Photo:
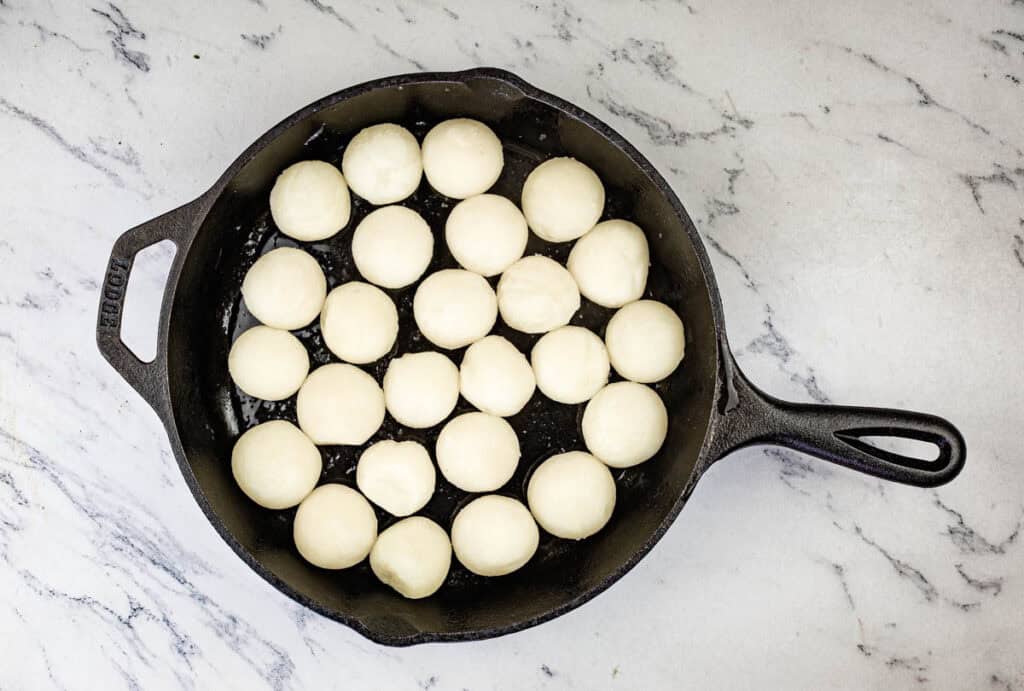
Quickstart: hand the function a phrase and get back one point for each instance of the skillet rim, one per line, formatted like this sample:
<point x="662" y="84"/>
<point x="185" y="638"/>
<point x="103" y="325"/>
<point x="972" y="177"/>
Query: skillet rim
<point x="200" y="209"/>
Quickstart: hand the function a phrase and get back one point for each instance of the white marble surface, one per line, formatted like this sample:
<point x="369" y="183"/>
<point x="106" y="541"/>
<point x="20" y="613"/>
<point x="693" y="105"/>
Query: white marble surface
<point x="857" y="173"/>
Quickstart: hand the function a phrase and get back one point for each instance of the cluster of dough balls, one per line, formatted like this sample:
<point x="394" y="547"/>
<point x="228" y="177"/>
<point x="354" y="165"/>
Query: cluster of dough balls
<point x="570" y="495"/>
<point x="277" y="464"/>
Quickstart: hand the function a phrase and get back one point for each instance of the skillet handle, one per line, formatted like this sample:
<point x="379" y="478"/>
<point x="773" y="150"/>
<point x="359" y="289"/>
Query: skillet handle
<point x="749" y="416"/>
<point x="147" y="378"/>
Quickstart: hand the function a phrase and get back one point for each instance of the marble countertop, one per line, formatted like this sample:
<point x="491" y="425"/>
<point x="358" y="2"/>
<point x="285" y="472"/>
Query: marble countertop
<point x="857" y="173"/>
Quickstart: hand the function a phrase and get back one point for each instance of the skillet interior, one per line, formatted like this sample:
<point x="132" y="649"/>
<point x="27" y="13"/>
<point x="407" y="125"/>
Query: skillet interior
<point x="207" y="314"/>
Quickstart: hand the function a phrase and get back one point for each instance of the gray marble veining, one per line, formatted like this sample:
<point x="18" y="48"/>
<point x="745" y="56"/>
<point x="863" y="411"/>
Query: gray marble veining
<point x="857" y="172"/>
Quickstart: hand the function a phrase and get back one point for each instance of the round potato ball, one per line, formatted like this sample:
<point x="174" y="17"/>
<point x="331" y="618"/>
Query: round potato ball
<point x="572" y="495"/>
<point x="537" y="294"/>
<point x="486" y="234"/>
<point x="570" y="363"/>
<point x="285" y="288"/>
<point x="624" y="424"/>
<point x="412" y="556"/>
<point x="392" y="247"/>
<point x="610" y="263"/>
<point x="310" y="201"/>
<point x="494" y="535"/>
<point x="268" y="363"/>
<point x="645" y="341"/>
<point x="335" y="527"/>
<point x="477" y="452"/>
<point x="421" y="389"/>
<point x="453" y="308"/>
<point x="382" y="164"/>
<point x="495" y="377"/>
<point x="359" y="322"/>
<point x="397" y="476"/>
<point x="562" y="199"/>
<point x="462" y="157"/>
<point x="275" y="464"/>
<point x="340" y="404"/>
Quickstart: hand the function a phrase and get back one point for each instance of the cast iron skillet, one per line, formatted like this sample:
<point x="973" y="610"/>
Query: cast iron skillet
<point x="713" y="408"/>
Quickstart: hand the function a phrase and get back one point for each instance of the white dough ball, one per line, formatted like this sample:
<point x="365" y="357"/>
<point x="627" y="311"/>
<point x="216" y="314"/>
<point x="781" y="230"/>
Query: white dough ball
<point x="335" y="527"/>
<point x="421" y="389"/>
<point x="495" y="377"/>
<point x="397" y="476"/>
<point x="285" y="288"/>
<point x="572" y="495"/>
<point x="570" y="363"/>
<point x="392" y="246"/>
<point x="462" y="157"/>
<point x="477" y="452"/>
<point x="494" y="535"/>
<point x="453" y="308"/>
<point x="268" y="363"/>
<point x="275" y="464"/>
<point x="610" y="263"/>
<point x="310" y="201"/>
<point x="412" y="556"/>
<point x="486" y="233"/>
<point x="382" y="164"/>
<point x="624" y="424"/>
<point x="537" y="294"/>
<point x="562" y="199"/>
<point x="359" y="322"/>
<point x="340" y="404"/>
<point x="645" y="341"/>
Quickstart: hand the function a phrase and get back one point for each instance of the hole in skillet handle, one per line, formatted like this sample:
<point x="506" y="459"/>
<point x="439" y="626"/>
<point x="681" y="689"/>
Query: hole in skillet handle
<point x="925" y="450"/>
<point x="853" y="437"/>
<point x="141" y="317"/>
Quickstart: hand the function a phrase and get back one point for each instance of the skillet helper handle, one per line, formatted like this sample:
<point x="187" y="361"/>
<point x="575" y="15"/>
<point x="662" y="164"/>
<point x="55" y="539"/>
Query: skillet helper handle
<point x="835" y="433"/>
<point x="146" y="378"/>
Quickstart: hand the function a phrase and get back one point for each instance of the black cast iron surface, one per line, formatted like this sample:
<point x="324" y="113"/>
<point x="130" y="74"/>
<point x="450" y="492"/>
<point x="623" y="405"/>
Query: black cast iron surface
<point x="713" y="409"/>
